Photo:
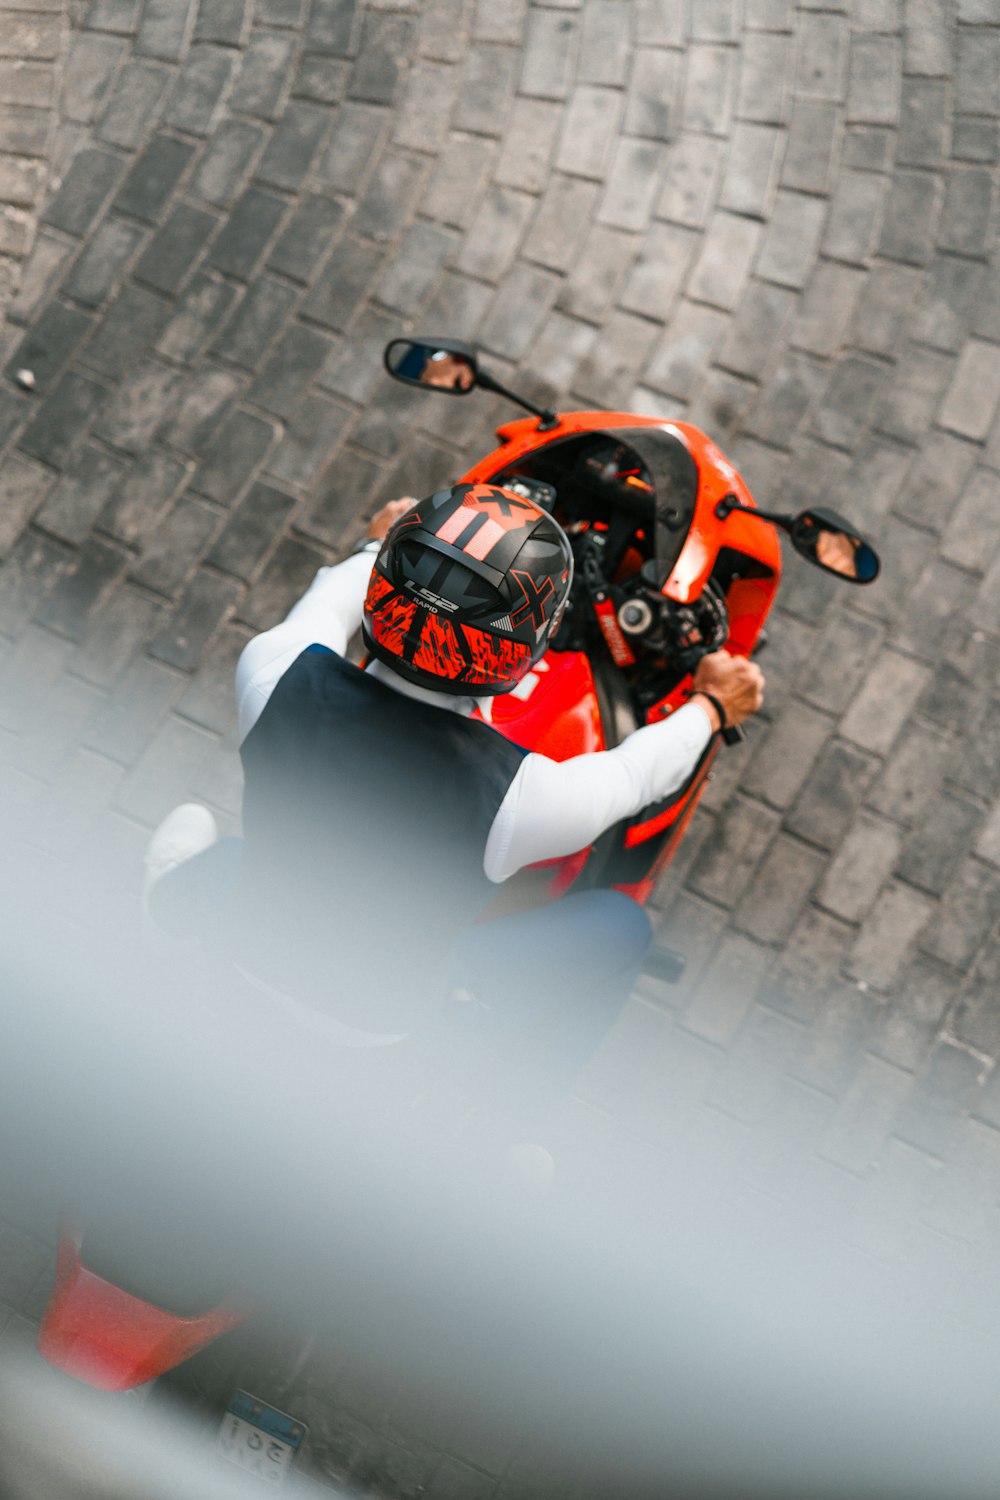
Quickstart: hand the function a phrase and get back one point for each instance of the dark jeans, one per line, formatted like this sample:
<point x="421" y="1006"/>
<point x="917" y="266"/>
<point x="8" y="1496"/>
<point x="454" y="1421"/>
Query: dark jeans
<point x="533" y="994"/>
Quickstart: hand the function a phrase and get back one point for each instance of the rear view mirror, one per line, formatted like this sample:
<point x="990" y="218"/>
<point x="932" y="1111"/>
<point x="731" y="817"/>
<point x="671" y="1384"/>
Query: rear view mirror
<point x="827" y="540"/>
<point x="442" y="364"/>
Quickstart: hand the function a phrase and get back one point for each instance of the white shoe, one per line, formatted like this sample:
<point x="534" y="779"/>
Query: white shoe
<point x="183" y="833"/>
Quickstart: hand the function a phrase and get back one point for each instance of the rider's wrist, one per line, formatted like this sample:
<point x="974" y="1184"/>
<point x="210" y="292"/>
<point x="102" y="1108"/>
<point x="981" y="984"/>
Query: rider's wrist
<point x="713" y="707"/>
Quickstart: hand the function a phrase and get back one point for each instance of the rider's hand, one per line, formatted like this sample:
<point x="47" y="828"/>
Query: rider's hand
<point x="384" y="519"/>
<point x="737" y="683"/>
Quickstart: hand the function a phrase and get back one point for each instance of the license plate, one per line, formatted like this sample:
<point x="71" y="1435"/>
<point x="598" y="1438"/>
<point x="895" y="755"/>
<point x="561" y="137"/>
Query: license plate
<point x="259" y="1438"/>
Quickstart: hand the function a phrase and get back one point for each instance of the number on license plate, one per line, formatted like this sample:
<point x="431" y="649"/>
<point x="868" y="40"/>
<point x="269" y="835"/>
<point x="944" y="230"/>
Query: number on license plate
<point x="259" y="1438"/>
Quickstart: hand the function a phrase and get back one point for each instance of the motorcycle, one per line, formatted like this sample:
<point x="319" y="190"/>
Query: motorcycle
<point x="673" y="560"/>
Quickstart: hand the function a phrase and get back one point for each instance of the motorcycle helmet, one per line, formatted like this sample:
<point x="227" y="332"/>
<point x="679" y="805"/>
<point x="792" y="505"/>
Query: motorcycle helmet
<point x="467" y="589"/>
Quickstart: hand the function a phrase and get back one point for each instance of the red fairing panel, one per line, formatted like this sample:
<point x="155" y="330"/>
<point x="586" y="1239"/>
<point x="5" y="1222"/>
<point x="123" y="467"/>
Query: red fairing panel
<point x="554" y="710"/>
<point x="99" y="1334"/>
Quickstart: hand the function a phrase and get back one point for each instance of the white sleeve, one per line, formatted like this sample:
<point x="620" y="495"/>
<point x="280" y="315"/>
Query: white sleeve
<point x="328" y="614"/>
<point x="556" y="807"/>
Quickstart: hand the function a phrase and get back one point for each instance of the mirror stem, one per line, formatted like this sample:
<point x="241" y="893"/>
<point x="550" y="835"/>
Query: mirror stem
<point x="547" y="417"/>
<point x="729" y="503"/>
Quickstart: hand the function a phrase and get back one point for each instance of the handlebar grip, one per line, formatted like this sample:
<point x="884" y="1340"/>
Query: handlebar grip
<point x="734" y="735"/>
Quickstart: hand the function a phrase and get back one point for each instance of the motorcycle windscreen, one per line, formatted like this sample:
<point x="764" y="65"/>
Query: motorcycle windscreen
<point x="106" y="1337"/>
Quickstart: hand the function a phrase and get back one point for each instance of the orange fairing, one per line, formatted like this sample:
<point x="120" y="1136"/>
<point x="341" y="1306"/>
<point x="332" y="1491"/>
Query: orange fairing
<point x="112" y="1340"/>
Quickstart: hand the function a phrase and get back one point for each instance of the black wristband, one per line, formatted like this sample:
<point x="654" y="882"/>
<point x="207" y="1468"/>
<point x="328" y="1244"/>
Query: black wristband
<point x="723" y="721"/>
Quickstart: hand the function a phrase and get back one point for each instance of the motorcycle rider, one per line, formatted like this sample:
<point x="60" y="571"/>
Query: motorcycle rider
<point x="380" y="819"/>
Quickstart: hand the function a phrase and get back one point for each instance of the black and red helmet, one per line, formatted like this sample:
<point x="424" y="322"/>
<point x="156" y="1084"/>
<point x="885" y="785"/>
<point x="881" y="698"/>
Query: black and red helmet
<point x="467" y="589"/>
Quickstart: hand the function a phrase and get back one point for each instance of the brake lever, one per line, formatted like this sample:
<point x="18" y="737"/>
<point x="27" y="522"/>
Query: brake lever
<point x="734" y="734"/>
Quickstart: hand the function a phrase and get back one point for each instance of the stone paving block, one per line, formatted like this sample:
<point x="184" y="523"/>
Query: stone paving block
<point x="548" y="56"/>
<point x="870" y="487"/>
<point x="792" y="240"/>
<point x="153" y="178"/>
<point x="912" y="400"/>
<point x="97" y="568"/>
<point x="826" y="307"/>
<point x="907" y="1027"/>
<point x="974" y="765"/>
<point x="290" y="571"/>
<point x="973" y="534"/>
<point x="884" y="308"/>
<point x="791" y="393"/>
<point x="499" y="21"/>
<point x="77" y="499"/>
<point x="208" y="699"/>
<point x="977" y="69"/>
<point x="517" y="309"/>
<point x="310" y="232"/>
<point x="614" y="360"/>
<point x="226" y="163"/>
<point x="727" y="255"/>
<point x="488" y="249"/>
<point x="22" y="179"/>
<point x="47" y="257"/>
<point x="292" y="148"/>
<point x="204" y="604"/>
<point x="865" y="1116"/>
<point x="781" y="884"/>
<point x="973" y="395"/>
<point x="923" y="122"/>
<point x="927" y="39"/>
<point x="605" y="43"/>
<point x="830" y="798"/>
<point x="874" y="79"/>
<point x="392" y="193"/>
<point x="912" y="774"/>
<point x="786" y="752"/>
<point x="313" y="432"/>
<point x="92" y="278"/>
<point x="249" y="533"/>
<point x="290" y="370"/>
<point x="726" y="991"/>
<point x="336" y="294"/>
<point x="695" y="335"/>
<point x="710" y="80"/>
<point x="950" y="303"/>
<point x="763" y="315"/>
<point x="947" y="1090"/>
<point x="91" y="60"/>
<point x="86" y="188"/>
<point x="199" y="94"/>
<point x="176" y="248"/>
<point x="922" y="626"/>
<point x="966" y="916"/>
<point x="732" y="851"/>
<point x="380" y="63"/>
<point x="237" y="447"/>
<point x="763" y="78"/>
<point x="189" y="424"/>
<point x="321" y="78"/>
<point x="890" y="692"/>
<point x="140" y="700"/>
<point x="911" y="217"/>
<point x="458" y="304"/>
<point x="832" y="1045"/>
<point x="593" y="285"/>
<point x="566" y="201"/>
<point x="246" y="233"/>
<point x="145" y="491"/>
<point x="421" y="120"/>
<point x="265" y="72"/>
<point x="974" y="1019"/>
<point x="747" y="1085"/>
<point x="255" y="325"/>
<point x="222" y="21"/>
<point x="174" y="547"/>
<point x="633" y="180"/>
<point x="855" y="385"/>
<point x="807" y="967"/>
<point x="975" y="139"/>
<point x="654" y="94"/>
<point x="855" y="216"/>
<point x="528" y="145"/>
<point x="134" y="104"/>
<point x="484" y="93"/>
<point x="62" y="418"/>
<point x="115" y="636"/>
<point x="333" y="27"/>
<point x="821" y="57"/>
<point x="202" y="310"/>
<point x="23" y="488"/>
<point x="459" y="178"/>
<point x="869" y="148"/>
<point x="660" y="272"/>
<point x="691" y="170"/>
<point x="861" y="867"/>
<point x="163" y="775"/>
<point x="50" y="344"/>
<point x="754" y="159"/>
<point x="130" y="418"/>
<point x="591" y="123"/>
<point x="382" y="426"/>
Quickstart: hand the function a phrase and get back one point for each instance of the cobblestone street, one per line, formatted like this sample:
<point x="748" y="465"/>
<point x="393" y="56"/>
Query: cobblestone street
<point x="777" y="221"/>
